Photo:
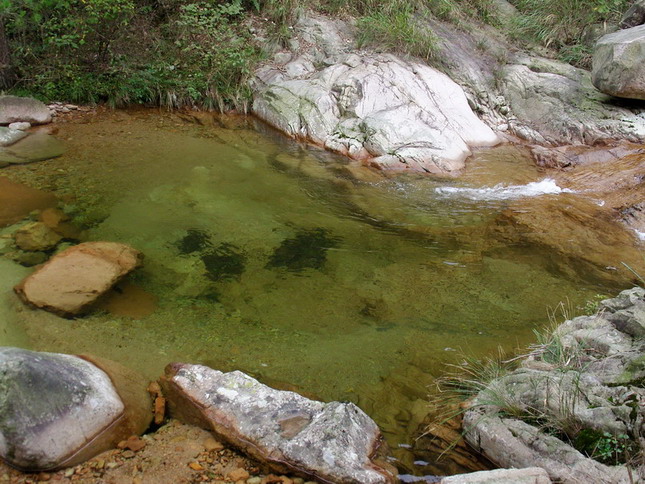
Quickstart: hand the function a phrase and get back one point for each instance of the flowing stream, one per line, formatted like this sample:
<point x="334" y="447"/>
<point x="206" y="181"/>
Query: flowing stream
<point x="294" y="265"/>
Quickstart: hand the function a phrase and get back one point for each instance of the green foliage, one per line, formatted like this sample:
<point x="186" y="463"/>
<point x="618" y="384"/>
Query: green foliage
<point x="606" y="448"/>
<point x="395" y="27"/>
<point x="561" y="24"/>
<point x="167" y="52"/>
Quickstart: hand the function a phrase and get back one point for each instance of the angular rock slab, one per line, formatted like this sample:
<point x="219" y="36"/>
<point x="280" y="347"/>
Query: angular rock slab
<point x="15" y="109"/>
<point x="58" y="410"/>
<point x="74" y="279"/>
<point x="634" y="16"/>
<point x="330" y="442"/>
<point x="619" y="63"/>
<point x="400" y="115"/>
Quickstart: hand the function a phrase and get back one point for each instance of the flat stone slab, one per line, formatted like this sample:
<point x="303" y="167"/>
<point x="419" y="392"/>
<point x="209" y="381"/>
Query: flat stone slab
<point x="15" y="109"/>
<point x="330" y="442"/>
<point x="35" y="147"/>
<point x="75" y="278"/>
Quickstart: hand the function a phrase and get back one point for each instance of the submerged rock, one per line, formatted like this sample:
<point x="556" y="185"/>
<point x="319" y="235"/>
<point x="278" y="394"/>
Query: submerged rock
<point x="330" y="442"/>
<point x="585" y="383"/>
<point x="58" y="410"/>
<point x="17" y="201"/>
<point x="16" y="109"/>
<point x="619" y="63"/>
<point x="35" y="147"/>
<point x="74" y="279"/>
<point x="36" y="236"/>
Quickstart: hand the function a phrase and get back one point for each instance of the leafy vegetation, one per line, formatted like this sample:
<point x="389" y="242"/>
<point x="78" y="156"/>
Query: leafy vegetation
<point x="167" y="52"/>
<point x="201" y="53"/>
<point x="563" y="24"/>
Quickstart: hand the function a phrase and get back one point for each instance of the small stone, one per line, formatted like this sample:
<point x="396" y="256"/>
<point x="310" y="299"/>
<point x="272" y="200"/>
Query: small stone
<point x="196" y="466"/>
<point x="210" y="444"/>
<point x="20" y="126"/>
<point x="112" y="465"/>
<point x="254" y="480"/>
<point x="134" y="443"/>
<point x="137" y="480"/>
<point x="69" y="472"/>
<point x="238" y="474"/>
<point x="44" y="476"/>
<point x="27" y="259"/>
<point x="127" y="454"/>
<point x="36" y="236"/>
<point x="298" y="480"/>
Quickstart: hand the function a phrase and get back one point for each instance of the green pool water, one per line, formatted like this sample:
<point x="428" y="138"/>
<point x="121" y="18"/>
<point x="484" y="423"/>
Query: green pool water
<point x="295" y="265"/>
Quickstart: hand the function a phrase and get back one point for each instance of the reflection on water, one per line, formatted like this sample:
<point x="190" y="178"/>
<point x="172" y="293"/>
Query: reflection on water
<point x="293" y="265"/>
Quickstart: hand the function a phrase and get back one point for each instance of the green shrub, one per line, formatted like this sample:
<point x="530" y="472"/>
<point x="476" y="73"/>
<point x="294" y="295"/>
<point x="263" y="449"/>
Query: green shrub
<point x="167" y="52"/>
<point x="561" y="24"/>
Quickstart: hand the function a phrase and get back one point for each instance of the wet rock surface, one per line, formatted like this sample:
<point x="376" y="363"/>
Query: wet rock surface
<point x="16" y="109"/>
<point x="36" y="236"/>
<point x="587" y="381"/>
<point x="619" y="63"/>
<point x="59" y="410"/>
<point x="35" y="147"/>
<point x="333" y="442"/>
<point x="75" y="278"/>
<point x="400" y="115"/>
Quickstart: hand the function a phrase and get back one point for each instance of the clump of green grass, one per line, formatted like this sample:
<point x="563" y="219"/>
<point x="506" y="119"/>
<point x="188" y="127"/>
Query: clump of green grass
<point x="561" y="24"/>
<point x="397" y="29"/>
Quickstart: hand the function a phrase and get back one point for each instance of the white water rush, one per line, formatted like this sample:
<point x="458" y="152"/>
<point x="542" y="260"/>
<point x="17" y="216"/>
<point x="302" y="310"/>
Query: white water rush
<point x="506" y="192"/>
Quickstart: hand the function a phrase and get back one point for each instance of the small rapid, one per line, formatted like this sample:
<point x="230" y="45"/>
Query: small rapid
<point x="546" y="186"/>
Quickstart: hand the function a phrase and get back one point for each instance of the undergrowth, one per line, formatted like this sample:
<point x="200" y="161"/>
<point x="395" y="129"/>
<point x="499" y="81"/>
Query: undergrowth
<point x="563" y="24"/>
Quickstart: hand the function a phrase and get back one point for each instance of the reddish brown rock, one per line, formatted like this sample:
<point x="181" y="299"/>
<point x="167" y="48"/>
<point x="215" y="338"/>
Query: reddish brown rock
<point x="74" y="279"/>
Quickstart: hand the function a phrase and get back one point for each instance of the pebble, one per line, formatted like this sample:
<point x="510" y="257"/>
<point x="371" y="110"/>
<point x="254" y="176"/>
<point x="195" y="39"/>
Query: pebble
<point x="127" y="454"/>
<point x="210" y="444"/>
<point x="254" y="480"/>
<point x="238" y="474"/>
<point x="195" y="466"/>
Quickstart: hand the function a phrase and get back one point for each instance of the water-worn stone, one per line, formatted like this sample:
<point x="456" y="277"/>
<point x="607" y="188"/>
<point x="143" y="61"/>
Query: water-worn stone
<point x="398" y="114"/>
<point x="330" y="442"/>
<point x="58" y="410"/>
<point x="530" y="475"/>
<point x="22" y="126"/>
<point x="15" y="109"/>
<point x="35" y="147"/>
<point x="619" y="63"/>
<point x="36" y="236"/>
<point x="634" y="16"/>
<point x="555" y="103"/>
<point x="75" y="278"/>
<point x="9" y="136"/>
<point x="588" y="377"/>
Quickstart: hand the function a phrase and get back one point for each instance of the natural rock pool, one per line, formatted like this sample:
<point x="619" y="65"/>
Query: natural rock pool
<point x="297" y="266"/>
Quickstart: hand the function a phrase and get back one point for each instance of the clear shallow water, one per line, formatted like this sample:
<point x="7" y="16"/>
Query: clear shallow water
<point x="295" y="266"/>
